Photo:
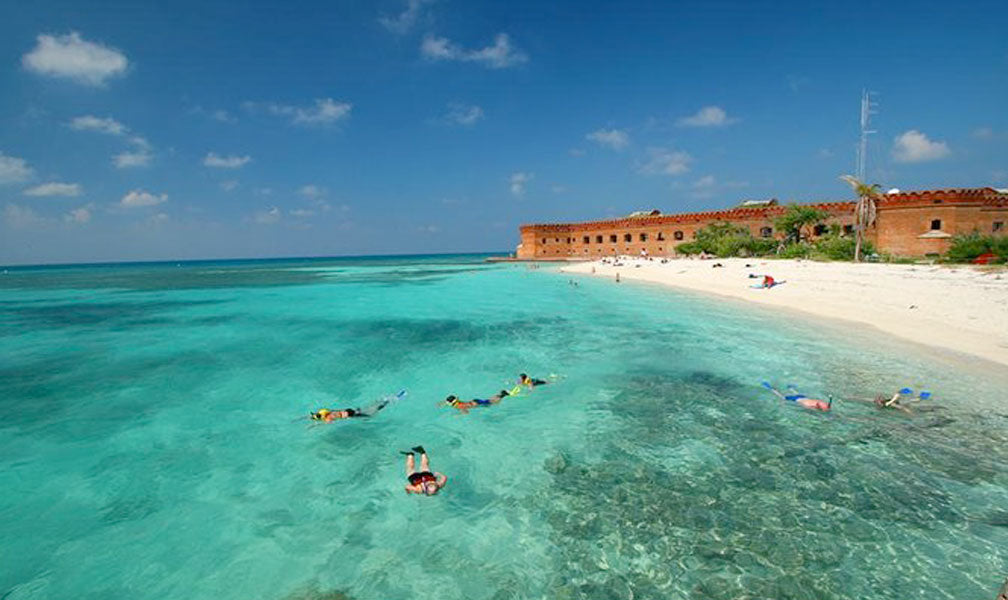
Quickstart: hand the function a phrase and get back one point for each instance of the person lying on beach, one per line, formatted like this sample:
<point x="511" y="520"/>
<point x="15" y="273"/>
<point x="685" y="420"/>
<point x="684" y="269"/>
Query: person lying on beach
<point x="424" y="481"/>
<point x="524" y="379"/>
<point x="464" y="406"/>
<point x="328" y="415"/>
<point x="801" y="399"/>
<point x="768" y="281"/>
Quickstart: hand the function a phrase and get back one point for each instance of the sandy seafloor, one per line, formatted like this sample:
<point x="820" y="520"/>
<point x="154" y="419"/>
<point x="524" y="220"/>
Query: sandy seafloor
<point x="149" y="447"/>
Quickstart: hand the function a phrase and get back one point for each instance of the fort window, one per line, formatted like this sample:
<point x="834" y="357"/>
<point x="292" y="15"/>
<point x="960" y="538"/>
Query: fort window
<point x="998" y="226"/>
<point x="643" y="237"/>
<point x="612" y="239"/>
<point x="586" y="239"/>
<point x="677" y="235"/>
<point x="766" y="232"/>
<point x="544" y="240"/>
<point x="935" y="224"/>
<point x="819" y="229"/>
<point x="661" y="237"/>
<point x="627" y="237"/>
<point x="598" y="239"/>
<point x="557" y="240"/>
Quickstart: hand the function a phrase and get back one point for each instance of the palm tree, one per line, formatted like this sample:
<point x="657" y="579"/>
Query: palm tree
<point x="864" y="210"/>
<point x="796" y="218"/>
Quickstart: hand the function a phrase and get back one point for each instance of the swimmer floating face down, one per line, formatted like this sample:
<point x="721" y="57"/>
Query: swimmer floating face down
<point x="424" y="481"/>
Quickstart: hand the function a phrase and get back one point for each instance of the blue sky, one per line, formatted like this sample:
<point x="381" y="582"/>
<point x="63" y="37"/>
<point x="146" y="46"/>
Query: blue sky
<point x="139" y="131"/>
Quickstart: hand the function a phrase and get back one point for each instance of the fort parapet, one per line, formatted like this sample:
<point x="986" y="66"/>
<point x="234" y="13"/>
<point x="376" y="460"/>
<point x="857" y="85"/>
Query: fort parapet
<point x="907" y="224"/>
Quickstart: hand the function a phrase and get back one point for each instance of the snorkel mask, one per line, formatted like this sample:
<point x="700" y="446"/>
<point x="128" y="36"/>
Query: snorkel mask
<point x="430" y="488"/>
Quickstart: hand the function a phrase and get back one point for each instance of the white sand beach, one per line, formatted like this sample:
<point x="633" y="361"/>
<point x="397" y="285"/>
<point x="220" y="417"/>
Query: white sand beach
<point x="958" y="308"/>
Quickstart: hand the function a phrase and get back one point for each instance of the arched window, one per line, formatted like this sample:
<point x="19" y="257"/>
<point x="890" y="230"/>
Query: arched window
<point x="677" y="235"/>
<point x="627" y="237"/>
<point x="766" y="232"/>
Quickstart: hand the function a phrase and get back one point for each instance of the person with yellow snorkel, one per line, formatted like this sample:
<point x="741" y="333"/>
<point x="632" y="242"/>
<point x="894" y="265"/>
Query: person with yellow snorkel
<point x="328" y="415"/>
<point x="424" y="481"/>
<point x="531" y="382"/>
<point x="464" y="406"/>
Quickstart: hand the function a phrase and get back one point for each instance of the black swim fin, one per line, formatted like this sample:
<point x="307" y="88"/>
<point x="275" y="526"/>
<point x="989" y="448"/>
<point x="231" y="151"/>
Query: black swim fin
<point x="419" y="449"/>
<point x="406" y="453"/>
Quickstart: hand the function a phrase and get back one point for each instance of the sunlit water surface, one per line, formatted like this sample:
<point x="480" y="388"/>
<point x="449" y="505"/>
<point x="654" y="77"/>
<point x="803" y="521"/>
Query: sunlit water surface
<point x="151" y="447"/>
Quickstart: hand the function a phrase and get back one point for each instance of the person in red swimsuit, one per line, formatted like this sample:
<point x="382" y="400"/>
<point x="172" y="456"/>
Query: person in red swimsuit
<point x="424" y="481"/>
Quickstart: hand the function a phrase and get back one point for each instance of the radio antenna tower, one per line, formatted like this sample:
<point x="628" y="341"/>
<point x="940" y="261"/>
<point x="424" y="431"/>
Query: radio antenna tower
<point x="867" y="111"/>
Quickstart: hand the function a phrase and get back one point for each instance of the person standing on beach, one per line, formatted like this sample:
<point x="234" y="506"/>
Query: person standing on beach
<point x="424" y="481"/>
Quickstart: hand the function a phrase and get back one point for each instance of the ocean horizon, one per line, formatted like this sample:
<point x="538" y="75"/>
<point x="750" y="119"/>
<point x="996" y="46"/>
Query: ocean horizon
<point x="155" y="440"/>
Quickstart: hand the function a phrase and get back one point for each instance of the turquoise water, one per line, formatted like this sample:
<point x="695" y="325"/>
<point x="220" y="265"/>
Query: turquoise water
<point x="150" y="447"/>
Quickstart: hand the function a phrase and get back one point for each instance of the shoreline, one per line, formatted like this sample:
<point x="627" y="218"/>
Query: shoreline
<point x="963" y="309"/>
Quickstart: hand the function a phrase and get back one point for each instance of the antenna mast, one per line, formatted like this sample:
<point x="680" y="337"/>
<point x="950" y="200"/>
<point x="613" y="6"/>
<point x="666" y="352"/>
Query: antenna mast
<point x="866" y="112"/>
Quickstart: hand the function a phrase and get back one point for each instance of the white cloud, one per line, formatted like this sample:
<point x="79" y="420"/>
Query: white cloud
<point x="983" y="133"/>
<point x="708" y="116"/>
<point x="140" y="198"/>
<point x="576" y="152"/>
<point x="302" y="212"/>
<point x="662" y="161"/>
<point x="137" y="158"/>
<point x="498" y="56"/>
<point x="54" y="189"/>
<point x="616" y="139"/>
<point x="707" y="181"/>
<point x="518" y="181"/>
<point x="79" y="215"/>
<point x="229" y="185"/>
<point x="325" y="111"/>
<point x="223" y="116"/>
<point x="225" y="162"/>
<point x="825" y="153"/>
<point x="19" y="217"/>
<point x="268" y="217"/>
<point x="311" y="191"/>
<point x="72" y="57"/>
<point x="405" y="20"/>
<point x="429" y="229"/>
<point x="462" y="114"/>
<point x="913" y="146"/>
<point x="102" y="125"/>
<point x="559" y="189"/>
<point x="13" y="169"/>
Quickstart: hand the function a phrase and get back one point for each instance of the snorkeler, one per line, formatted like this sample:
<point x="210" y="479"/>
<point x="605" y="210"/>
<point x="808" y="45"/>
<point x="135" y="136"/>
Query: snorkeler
<point x="328" y="415"/>
<point x="898" y="398"/>
<point x="464" y="406"/>
<point x="524" y="379"/>
<point x="425" y="481"/>
<point x="801" y="399"/>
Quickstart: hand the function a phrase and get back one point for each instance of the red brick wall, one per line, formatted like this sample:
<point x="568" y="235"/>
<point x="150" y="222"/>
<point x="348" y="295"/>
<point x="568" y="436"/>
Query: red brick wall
<point x="902" y="219"/>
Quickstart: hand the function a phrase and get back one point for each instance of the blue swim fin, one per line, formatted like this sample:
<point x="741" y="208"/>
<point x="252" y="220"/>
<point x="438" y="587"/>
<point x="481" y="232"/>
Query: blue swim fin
<point x="906" y="390"/>
<point x="924" y="395"/>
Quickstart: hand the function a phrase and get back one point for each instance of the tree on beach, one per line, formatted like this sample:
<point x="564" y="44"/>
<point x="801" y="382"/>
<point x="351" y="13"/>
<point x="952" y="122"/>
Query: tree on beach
<point x="864" y="210"/>
<point x="797" y="217"/>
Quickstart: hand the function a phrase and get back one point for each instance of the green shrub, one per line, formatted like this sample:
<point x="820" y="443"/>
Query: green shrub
<point x="841" y="248"/>
<point x="689" y="248"/>
<point x="967" y="246"/>
<point x="799" y="250"/>
<point x="762" y="246"/>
